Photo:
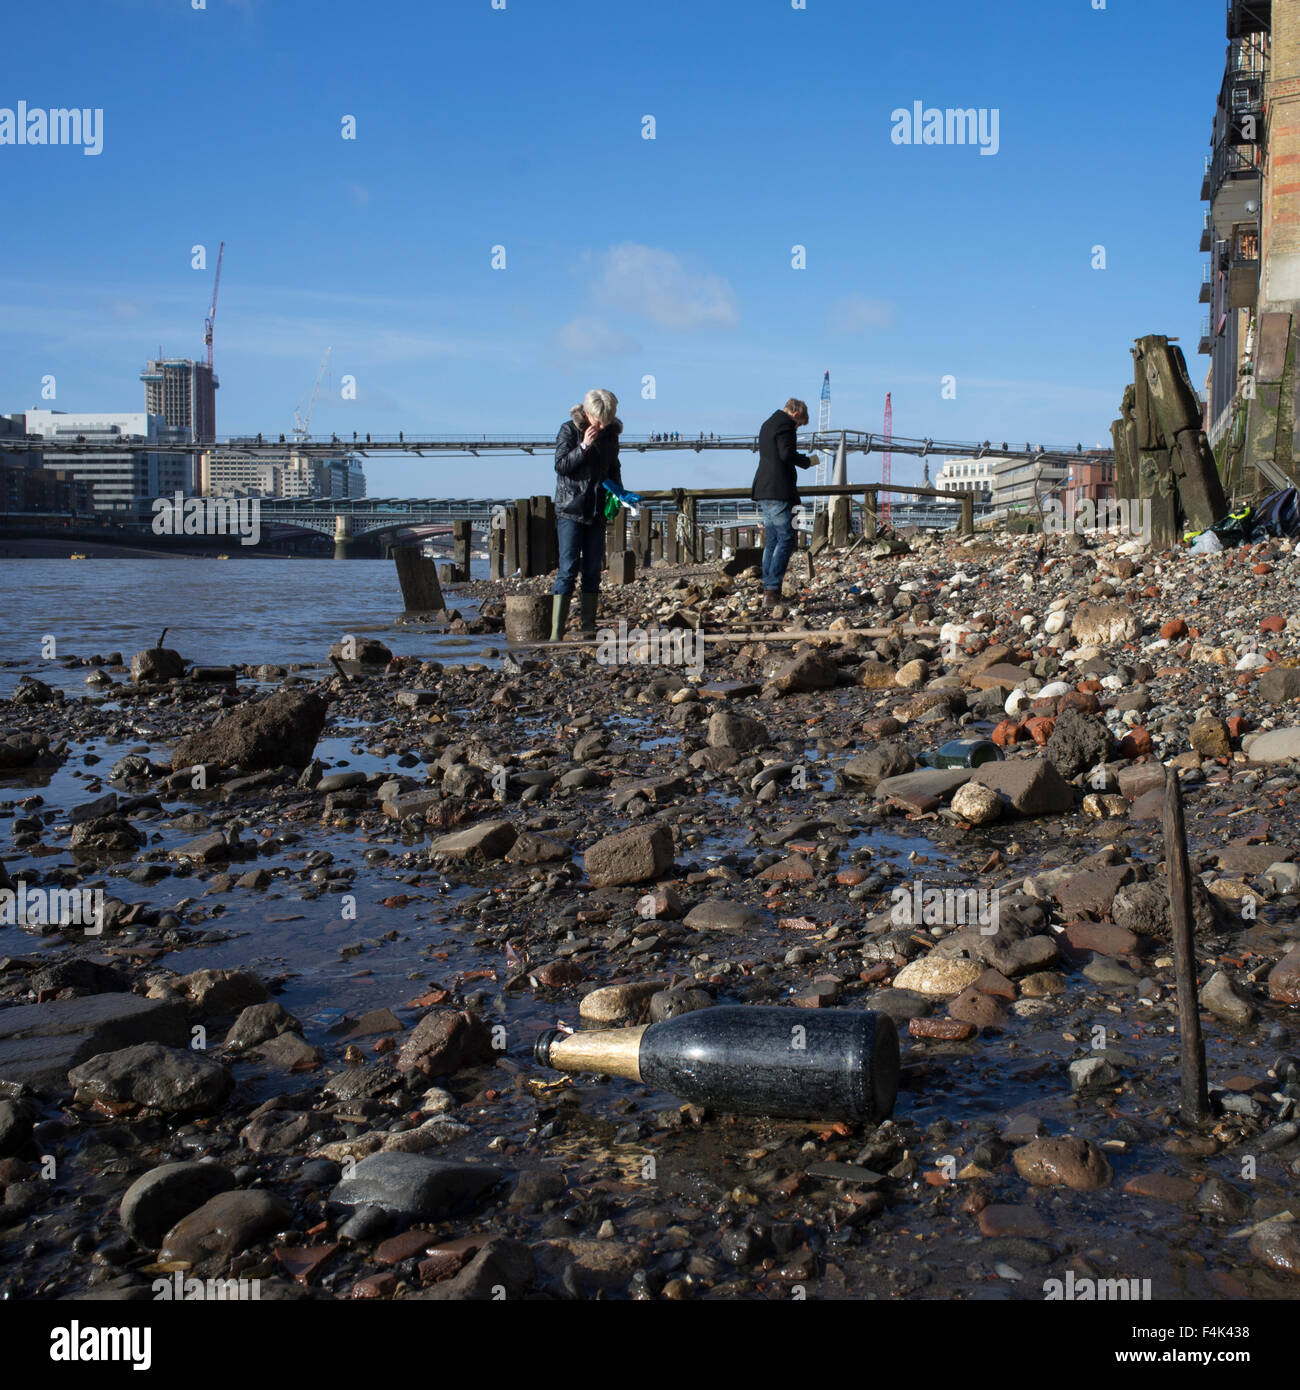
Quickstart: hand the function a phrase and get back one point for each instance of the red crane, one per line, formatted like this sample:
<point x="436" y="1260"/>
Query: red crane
<point x="887" y="464"/>
<point x="212" y="309"/>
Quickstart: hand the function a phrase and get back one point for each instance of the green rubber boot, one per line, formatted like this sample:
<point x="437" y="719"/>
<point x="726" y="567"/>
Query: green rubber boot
<point x="588" y="615"/>
<point x="559" y="615"/>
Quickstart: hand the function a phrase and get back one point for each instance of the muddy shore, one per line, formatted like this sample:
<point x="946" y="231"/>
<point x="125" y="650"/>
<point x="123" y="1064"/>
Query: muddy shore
<point x="337" y="910"/>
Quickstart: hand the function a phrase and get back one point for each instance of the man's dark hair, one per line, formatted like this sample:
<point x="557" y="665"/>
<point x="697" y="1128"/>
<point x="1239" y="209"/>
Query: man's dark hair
<point x="797" y="408"/>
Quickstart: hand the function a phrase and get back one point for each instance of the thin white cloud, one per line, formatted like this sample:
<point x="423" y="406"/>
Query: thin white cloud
<point x="854" y="314"/>
<point x="656" y="285"/>
<point x="588" y="336"/>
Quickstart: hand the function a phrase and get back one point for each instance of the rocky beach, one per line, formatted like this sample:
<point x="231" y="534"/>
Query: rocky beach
<point x="337" y="904"/>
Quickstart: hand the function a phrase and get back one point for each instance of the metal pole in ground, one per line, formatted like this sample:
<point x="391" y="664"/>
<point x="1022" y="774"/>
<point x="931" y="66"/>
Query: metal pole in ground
<point x="1195" y="1097"/>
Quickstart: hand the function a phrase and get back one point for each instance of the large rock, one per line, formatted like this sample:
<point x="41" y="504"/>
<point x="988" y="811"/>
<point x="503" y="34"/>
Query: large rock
<point x="1030" y="786"/>
<point x="40" y="1043"/>
<point x="176" y="1080"/>
<point x="1276" y="746"/>
<point x="721" y="914"/>
<point x="1073" y="1163"/>
<point x="158" y="1199"/>
<point x="155" y="665"/>
<point x="1279" y="684"/>
<point x="1143" y="908"/>
<point x="223" y="1226"/>
<point x="1284" y="978"/>
<point x="942" y="978"/>
<point x="1220" y="995"/>
<point x="489" y="839"/>
<point x="811" y="670"/>
<point x="638" y="855"/>
<point x="21" y="749"/>
<point x="924" y="789"/>
<point x="412" y="1187"/>
<point x="615" y="1005"/>
<point x="977" y="804"/>
<point x="1078" y="742"/>
<point x="1092" y="891"/>
<point x="887" y="759"/>
<point x="501" y="1268"/>
<point x="364" y="651"/>
<point x="444" y="1041"/>
<point x="739" y="731"/>
<point x="279" y="730"/>
<point x="222" y="992"/>
<point x="1100" y="624"/>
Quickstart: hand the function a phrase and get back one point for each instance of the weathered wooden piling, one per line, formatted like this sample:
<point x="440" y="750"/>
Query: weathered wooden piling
<point x="418" y="576"/>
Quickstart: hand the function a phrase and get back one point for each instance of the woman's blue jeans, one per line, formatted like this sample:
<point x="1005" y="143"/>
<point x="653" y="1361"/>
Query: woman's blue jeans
<point x="778" y="541"/>
<point x="582" y="546"/>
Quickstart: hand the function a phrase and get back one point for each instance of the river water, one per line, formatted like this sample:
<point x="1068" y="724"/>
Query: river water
<point x="216" y="612"/>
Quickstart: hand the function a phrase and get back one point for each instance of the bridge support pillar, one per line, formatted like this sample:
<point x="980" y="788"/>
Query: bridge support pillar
<point x="342" y="537"/>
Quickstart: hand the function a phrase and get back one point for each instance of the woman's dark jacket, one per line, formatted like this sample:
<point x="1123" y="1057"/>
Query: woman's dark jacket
<point x="578" y="491"/>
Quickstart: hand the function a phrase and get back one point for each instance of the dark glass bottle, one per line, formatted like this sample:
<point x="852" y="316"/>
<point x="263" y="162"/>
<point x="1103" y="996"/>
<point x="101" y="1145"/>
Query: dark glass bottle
<point x="781" y="1062"/>
<point x="963" y="752"/>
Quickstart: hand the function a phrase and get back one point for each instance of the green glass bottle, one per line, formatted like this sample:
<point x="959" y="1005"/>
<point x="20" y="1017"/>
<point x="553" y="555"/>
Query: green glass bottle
<point x="963" y="752"/>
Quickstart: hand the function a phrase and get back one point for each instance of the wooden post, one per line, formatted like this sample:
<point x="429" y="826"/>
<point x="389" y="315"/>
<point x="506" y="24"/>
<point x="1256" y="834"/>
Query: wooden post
<point x="869" y="503"/>
<point x="523" y="539"/>
<point x="692" y="545"/>
<point x="1195" y="1099"/>
<point x="496" y="553"/>
<point x="418" y="576"/>
<point x="660" y="538"/>
<point x="644" y="526"/>
<point x="966" y="527"/>
<point x="820" y="531"/>
<point x="461" y="537"/>
<point x="670" y="537"/>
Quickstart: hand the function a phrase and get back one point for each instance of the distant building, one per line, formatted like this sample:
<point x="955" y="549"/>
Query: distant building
<point x="184" y="393"/>
<point x="239" y="471"/>
<point x="1019" y="483"/>
<point x="1089" y="478"/>
<point x="124" y="480"/>
<point x="967" y="475"/>
<point x="27" y="486"/>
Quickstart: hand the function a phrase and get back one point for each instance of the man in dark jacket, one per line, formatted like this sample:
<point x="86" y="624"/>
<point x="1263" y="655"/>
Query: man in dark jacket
<point x="586" y="455"/>
<point x="774" y="490"/>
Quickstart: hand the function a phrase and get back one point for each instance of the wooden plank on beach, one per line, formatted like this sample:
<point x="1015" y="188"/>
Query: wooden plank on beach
<point x="754" y="635"/>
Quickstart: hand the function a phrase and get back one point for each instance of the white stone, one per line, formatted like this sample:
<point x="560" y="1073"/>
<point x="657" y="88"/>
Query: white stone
<point x="1252" y="661"/>
<point x="1056" y="620"/>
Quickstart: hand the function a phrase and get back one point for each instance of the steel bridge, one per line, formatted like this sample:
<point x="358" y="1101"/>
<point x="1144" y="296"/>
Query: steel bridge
<point x="364" y="444"/>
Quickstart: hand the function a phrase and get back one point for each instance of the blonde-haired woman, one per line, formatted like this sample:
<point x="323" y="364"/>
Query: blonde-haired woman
<point x="586" y="456"/>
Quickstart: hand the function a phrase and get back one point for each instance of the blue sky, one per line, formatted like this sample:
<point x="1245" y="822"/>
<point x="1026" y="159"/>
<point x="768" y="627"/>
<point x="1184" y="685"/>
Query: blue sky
<point x="625" y="257"/>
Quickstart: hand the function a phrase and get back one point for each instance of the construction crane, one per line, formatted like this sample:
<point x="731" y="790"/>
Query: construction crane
<point x="822" y="476"/>
<point x="887" y="460"/>
<point x="212" y="308"/>
<point x="301" y="422"/>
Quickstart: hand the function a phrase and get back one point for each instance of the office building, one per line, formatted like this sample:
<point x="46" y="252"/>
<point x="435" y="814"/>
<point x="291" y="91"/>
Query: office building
<point x="126" y="479"/>
<point x="184" y="393"/>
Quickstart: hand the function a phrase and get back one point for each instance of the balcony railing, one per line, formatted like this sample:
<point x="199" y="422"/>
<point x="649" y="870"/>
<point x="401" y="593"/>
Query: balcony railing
<point x="1207" y="233"/>
<point x="1207" y="284"/>
<point x="1233" y="162"/>
<point x="1204" y="345"/>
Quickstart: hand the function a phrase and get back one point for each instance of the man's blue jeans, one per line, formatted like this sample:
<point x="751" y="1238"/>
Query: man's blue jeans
<point x="582" y="544"/>
<point x="778" y="541"/>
